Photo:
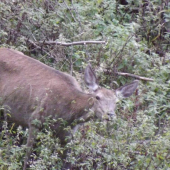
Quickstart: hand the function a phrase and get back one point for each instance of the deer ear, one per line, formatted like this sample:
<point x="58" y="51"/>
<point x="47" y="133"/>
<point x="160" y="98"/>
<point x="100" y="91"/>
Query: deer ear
<point x="90" y="78"/>
<point x="127" y="90"/>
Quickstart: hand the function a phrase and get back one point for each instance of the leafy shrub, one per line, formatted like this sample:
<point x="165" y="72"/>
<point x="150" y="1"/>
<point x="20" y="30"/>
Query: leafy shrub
<point x="137" y="36"/>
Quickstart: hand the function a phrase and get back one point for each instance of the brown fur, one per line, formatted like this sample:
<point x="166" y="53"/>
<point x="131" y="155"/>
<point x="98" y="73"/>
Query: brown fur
<point x="28" y="86"/>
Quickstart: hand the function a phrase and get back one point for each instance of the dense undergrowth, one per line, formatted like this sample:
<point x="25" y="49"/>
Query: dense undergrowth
<point x="137" y="42"/>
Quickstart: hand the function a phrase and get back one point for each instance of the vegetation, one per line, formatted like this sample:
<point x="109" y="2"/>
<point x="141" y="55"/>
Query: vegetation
<point x="137" y="36"/>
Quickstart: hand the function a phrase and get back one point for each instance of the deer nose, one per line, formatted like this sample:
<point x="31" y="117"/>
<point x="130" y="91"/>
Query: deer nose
<point x="112" y="115"/>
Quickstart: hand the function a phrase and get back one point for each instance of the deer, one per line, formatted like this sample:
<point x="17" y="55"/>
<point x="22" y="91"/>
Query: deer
<point x="34" y="91"/>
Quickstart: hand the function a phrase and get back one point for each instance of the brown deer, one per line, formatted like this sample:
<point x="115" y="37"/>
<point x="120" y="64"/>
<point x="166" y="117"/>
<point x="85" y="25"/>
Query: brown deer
<point x="35" y="91"/>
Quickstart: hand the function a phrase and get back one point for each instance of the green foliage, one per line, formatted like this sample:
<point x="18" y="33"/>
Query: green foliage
<point x="11" y="152"/>
<point x="137" y="36"/>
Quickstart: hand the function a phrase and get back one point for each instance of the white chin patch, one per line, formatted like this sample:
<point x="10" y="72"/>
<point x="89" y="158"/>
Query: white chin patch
<point x="95" y="87"/>
<point x="117" y="100"/>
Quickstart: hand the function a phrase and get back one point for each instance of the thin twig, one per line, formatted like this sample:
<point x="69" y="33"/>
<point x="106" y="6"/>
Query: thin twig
<point x="73" y="43"/>
<point x="78" y="17"/>
<point x="40" y="48"/>
<point x="121" y="51"/>
<point x="70" y="11"/>
<point x="135" y="76"/>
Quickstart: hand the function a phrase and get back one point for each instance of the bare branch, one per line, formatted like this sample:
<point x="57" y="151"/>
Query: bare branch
<point x="73" y="43"/>
<point x="135" y="76"/>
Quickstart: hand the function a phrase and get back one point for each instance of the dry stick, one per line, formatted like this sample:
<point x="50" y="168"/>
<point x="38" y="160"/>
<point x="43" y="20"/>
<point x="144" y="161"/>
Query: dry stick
<point x="135" y="76"/>
<point x="73" y="43"/>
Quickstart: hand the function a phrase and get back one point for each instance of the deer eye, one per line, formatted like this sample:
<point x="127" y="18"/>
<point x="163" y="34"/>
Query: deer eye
<point x="97" y="97"/>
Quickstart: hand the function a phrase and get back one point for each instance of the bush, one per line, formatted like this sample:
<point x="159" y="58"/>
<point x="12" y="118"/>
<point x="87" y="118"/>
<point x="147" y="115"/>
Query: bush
<point x="137" y="36"/>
